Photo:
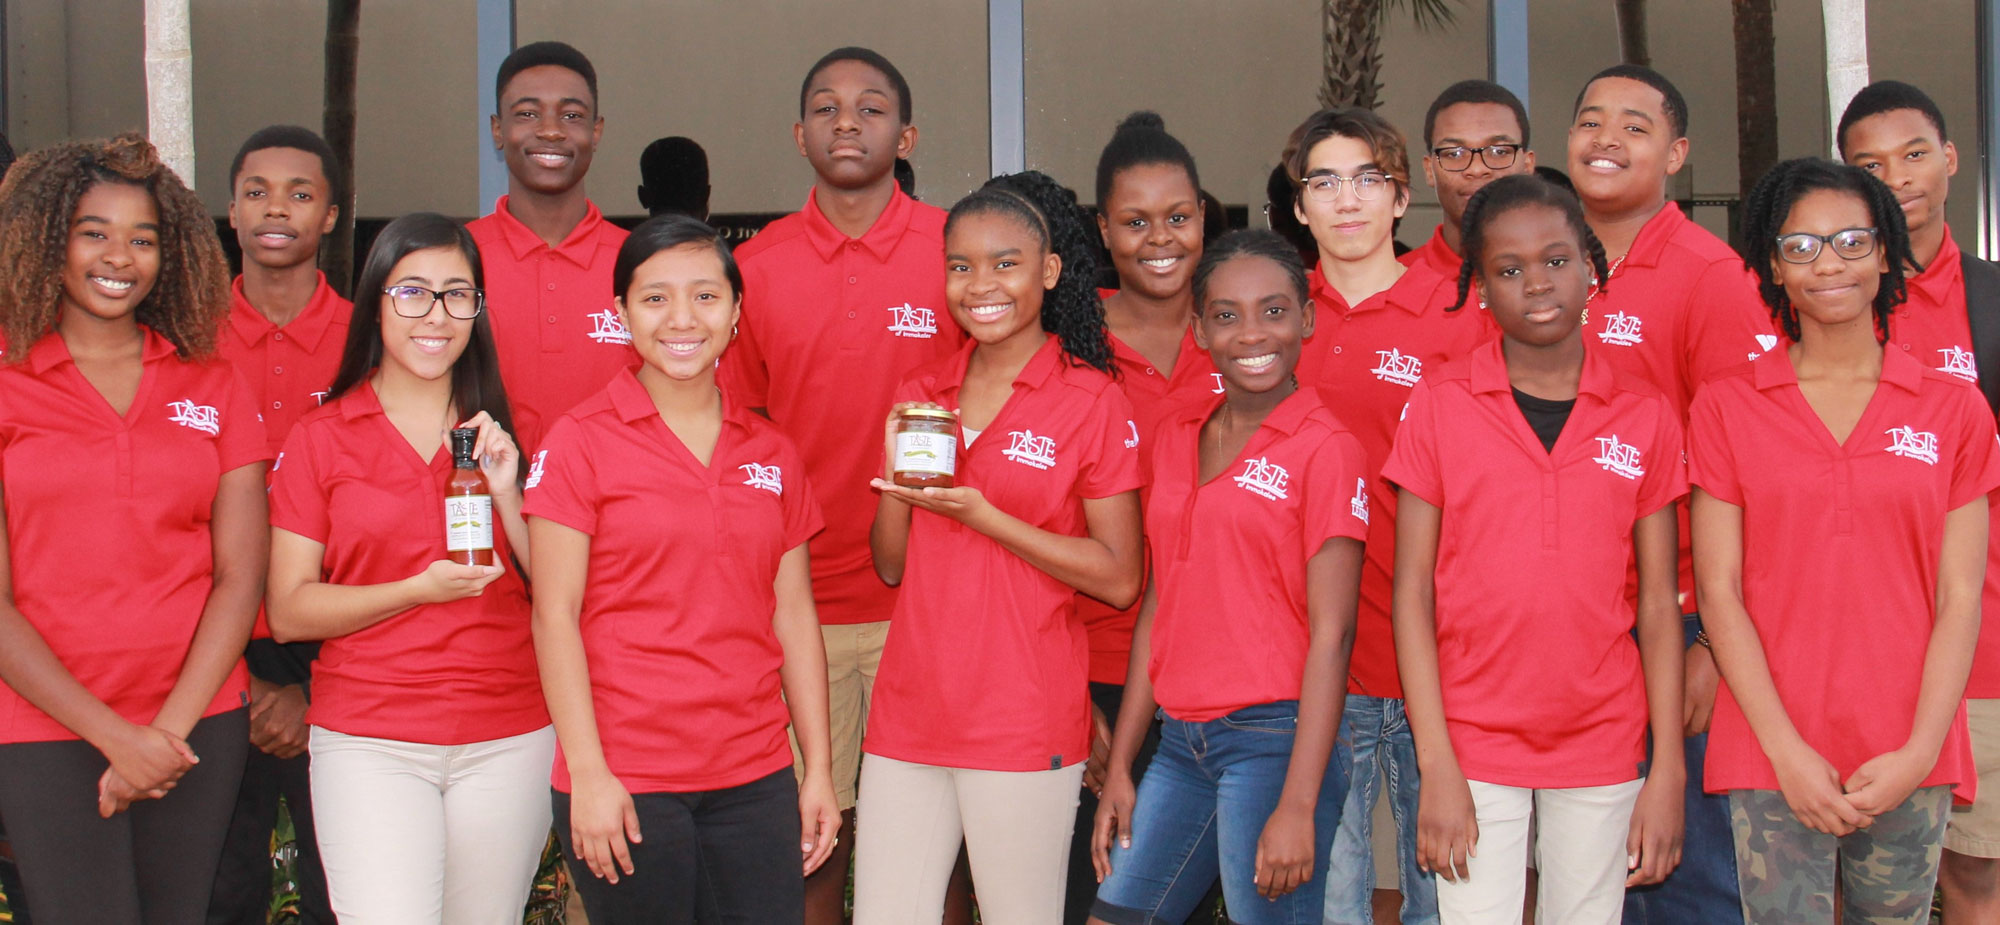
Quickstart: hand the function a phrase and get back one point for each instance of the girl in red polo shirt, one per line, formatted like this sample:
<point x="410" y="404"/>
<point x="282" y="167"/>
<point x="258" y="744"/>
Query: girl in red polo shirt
<point x="674" y="617"/>
<point x="1840" y="523"/>
<point x="430" y="744"/>
<point x="131" y="468"/>
<point x="1259" y="508"/>
<point x="1528" y="697"/>
<point x="981" y="720"/>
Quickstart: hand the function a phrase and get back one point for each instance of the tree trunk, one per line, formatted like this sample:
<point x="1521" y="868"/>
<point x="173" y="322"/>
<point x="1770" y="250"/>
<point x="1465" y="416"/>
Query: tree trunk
<point x="343" y="44"/>
<point x="1846" y="24"/>
<point x="1353" y="53"/>
<point x="1756" y="96"/>
<point x="1632" y="48"/>
<point x="170" y="85"/>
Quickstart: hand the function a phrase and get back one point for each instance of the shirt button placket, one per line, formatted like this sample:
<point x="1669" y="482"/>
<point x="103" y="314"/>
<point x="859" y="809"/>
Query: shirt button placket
<point x="1549" y="524"/>
<point x="1843" y="497"/>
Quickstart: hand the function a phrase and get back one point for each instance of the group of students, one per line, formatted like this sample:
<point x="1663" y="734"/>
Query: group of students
<point x="1234" y="549"/>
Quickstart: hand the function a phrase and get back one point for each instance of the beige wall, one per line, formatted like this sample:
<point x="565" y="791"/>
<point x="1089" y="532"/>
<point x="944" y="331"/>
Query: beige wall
<point x="1230" y="76"/>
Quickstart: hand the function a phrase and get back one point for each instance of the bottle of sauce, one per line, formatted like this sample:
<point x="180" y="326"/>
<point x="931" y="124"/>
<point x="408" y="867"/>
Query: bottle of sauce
<point x="926" y="448"/>
<point x="468" y="505"/>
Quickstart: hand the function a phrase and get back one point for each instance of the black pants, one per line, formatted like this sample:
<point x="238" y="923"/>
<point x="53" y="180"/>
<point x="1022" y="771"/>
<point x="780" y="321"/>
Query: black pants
<point x="714" y="856"/>
<point x="242" y="893"/>
<point x="150" y="865"/>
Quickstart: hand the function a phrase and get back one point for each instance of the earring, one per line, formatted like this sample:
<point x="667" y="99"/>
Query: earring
<point x="1584" y="317"/>
<point x="1482" y="305"/>
<point x="732" y="332"/>
<point x="1593" y="280"/>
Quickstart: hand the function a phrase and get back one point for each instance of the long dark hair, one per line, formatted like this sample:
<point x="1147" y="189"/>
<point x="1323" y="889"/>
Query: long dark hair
<point x="1771" y="202"/>
<point x="1071" y="311"/>
<point x="475" y="378"/>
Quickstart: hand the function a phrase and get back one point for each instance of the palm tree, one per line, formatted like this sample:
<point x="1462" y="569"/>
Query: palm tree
<point x="1353" y="46"/>
<point x="343" y="45"/>
<point x="1756" y="95"/>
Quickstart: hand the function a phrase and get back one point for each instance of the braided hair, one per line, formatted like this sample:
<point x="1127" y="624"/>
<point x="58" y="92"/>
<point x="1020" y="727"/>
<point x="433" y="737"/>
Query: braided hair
<point x="1513" y="192"/>
<point x="1071" y="311"/>
<point x="1771" y="202"/>
<point x="1252" y="242"/>
<point x="1141" y="139"/>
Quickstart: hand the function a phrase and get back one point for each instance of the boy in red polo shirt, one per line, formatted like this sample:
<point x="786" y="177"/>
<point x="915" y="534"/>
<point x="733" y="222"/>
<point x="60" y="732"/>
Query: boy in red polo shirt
<point x="286" y="329"/>
<point x="841" y="301"/>
<point x="547" y="249"/>
<point x="1678" y="307"/>
<point x="1380" y="326"/>
<point x="1896" y="133"/>
<point x="1475" y="132"/>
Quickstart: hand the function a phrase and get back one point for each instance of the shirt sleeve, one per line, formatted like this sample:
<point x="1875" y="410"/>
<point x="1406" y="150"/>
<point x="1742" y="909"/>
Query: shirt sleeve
<point x="298" y="492"/>
<point x="562" y="483"/>
<point x="1666" y="478"/>
<point x="1412" y="462"/>
<point x="801" y="510"/>
<point x="240" y="439"/>
<point x="1727" y="323"/>
<point x="1110" y="441"/>
<point x="1711" y="462"/>
<point x="1976" y="470"/>
<point x="1336" y="493"/>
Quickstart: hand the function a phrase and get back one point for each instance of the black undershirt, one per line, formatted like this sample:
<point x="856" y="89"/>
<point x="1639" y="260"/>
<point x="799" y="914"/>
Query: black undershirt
<point x="1546" y="418"/>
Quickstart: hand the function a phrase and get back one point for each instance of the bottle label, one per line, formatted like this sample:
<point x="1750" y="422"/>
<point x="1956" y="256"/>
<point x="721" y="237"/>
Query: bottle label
<point x="468" y="522"/>
<point x="936" y="454"/>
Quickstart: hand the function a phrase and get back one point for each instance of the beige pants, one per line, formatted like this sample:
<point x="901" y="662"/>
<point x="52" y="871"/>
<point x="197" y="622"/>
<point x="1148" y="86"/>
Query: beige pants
<point x="1579" y="849"/>
<point x="1015" y="825"/>
<point x="853" y="653"/>
<point x="1975" y="830"/>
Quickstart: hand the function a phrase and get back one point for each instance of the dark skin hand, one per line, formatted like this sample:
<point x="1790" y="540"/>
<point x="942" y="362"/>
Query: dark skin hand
<point x="278" y="718"/>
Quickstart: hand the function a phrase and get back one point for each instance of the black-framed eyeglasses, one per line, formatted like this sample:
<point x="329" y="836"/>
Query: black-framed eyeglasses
<point x="1367" y="185"/>
<point x="1849" y="244"/>
<point x="416" y="301"/>
<point x="1458" y="157"/>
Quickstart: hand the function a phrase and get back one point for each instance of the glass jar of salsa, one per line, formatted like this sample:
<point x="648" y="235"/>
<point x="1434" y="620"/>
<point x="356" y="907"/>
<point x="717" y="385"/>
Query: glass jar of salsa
<point x="926" y="448"/>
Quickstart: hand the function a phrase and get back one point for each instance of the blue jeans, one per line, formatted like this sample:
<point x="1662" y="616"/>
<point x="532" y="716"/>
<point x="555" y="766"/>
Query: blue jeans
<point x="1200" y="811"/>
<point x="1378" y="732"/>
<point x="1702" y="890"/>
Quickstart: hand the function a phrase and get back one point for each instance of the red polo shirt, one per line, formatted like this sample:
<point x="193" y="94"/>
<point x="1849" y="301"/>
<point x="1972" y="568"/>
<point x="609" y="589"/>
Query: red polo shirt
<point x="830" y="325"/>
<point x="287" y="368"/>
<point x="986" y="664"/>
<point x="1232" y="628"/>
<point x="1434" y="254"/>
<point x="437" y="674"/>
<point x="1541" y="677"/>
<point x="1364" y="360"/>
<point x="685" y="685"/>
<point x="1932" y="328"/>
<point x="1841" y="544"/>
<point x="107" y="521"/>
<point x="1153" y="394"/>
<point x="554" y="324"/>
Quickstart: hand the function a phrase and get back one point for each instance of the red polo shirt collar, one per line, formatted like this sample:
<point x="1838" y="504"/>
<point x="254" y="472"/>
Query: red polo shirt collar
<point x="1774" y="370"/>
<point x="1943" y="277"/>
<point x="1489" y="372"/>
<point x="308" y="328"/>
<point x="578" y="248"/>
<point x="880" y="239"/>
<point x="50" y="351"/>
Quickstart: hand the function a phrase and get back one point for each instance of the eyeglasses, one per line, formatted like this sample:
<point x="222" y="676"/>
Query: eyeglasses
<point x="416" y="301"/>
<point x="1459" y="157"/>
<point x="1325" y="187"/>
<point x="1850" y="244"/>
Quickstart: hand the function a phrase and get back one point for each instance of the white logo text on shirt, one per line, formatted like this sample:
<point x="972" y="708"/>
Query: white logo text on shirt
<point x="1618" y="458"/>
<point x="769" y="478"/>
<point x="1960" y="363"/>
<point x="1398" y="367"/>
<point x="607" y="329"/>
<point x="1263" y="477"/>
<point x="1622" y="329"/>
<point x="1030" y="450"/>
<point x="199" y="417"/>
<point x="1359" y="505"/>
<point x="535" y="469"/>
<point x="907" y="320"/>
<point x="1911" y="443"/>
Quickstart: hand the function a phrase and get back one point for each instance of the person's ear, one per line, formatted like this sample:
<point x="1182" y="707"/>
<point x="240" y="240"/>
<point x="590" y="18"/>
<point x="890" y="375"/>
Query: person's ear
<point x="1051" y="271"/>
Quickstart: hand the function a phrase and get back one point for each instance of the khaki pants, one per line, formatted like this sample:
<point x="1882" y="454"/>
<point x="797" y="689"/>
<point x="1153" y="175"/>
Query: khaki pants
<point x="853" y="653"/>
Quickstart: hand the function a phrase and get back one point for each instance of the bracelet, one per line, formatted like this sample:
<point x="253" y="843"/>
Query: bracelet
<point x="1701" y="639"/>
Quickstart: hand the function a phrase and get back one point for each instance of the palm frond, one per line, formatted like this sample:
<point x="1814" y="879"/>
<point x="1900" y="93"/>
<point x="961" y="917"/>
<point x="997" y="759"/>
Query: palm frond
<point x="1428" y="14"/>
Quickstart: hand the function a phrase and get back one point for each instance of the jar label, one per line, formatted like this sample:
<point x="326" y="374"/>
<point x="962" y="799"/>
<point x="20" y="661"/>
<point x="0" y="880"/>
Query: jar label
<point x="468" y="522"/>
<point x="936" y="454"/>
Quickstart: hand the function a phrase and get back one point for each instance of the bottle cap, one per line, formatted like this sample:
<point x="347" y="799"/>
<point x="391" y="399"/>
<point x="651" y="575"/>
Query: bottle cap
<point x="461" y="442"/>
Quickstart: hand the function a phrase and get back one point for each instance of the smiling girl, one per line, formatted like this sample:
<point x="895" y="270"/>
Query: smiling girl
<point x="131" y="470"/>
<point x="1840" y="528"/>
<point x="429" y="741"/>
<point x="674" y="617"/>
<point x="981" y="724"/>
<point x="1528" y="697"/>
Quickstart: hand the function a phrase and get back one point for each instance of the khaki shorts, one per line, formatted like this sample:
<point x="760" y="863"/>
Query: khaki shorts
<point x="1975" y="830"/>
<point x="853" y="653"/>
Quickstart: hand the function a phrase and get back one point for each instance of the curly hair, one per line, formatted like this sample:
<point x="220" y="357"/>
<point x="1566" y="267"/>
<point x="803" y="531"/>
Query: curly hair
<point x="1513" y="192"/>
<point x="1072" y="310"/>
<point x="1771" y="202"/>
<point x="38" y="201"/>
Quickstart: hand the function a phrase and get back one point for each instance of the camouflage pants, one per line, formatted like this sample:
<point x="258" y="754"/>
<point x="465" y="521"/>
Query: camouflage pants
<point x="1886" y="871"/>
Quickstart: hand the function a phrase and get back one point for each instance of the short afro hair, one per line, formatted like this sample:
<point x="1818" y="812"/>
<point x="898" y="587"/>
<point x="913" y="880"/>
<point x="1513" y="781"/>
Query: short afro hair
<point x="1674" y="104"/>
<point x="1888" y="96"/>
<point x="1474" y="91"/>
<point x="867" y="56"/>
<point x="289" y="136"/>
<point x="541" y="54"/>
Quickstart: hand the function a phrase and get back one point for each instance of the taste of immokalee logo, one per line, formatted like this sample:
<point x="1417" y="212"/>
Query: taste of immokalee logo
<point x="1398" y="367"/>
<point x="1959" y="363"/>
<point x="769" y="478"/>
<point x="1622" y="329"/>
<point x="907" y="320"/>
<point x="198" y="417"/>
<point x="1028" y="449"/>
<point x="1618" y="457"/>
<point x="607" y="329"/>
<point x="1263" y="477"/>
<point x="1911" y="443"/>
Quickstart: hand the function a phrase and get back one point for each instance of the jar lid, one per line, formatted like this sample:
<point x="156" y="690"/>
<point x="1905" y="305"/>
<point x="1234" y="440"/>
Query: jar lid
<point x="935" y="414"/>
